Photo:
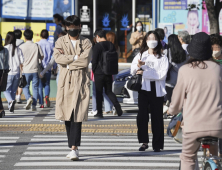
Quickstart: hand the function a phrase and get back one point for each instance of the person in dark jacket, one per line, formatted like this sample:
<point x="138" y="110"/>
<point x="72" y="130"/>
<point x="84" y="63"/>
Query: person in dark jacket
<point x="102" y="80"/>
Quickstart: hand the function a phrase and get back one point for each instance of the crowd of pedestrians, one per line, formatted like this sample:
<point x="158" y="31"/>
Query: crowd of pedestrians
<point x="185" y="72"/>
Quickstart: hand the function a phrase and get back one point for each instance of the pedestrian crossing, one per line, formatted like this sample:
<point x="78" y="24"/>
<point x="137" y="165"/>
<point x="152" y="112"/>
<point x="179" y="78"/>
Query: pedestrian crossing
<point x="98" y="152"/>
<point x="6" y="143"/>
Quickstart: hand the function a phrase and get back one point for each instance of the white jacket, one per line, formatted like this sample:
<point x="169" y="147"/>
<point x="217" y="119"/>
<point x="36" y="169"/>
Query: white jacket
<point x="14" y="61"/>
<point x="155" y="69"/>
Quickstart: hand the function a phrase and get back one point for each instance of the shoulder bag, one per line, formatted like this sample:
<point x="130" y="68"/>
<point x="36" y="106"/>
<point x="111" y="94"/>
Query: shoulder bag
<point x="135" y="82"/>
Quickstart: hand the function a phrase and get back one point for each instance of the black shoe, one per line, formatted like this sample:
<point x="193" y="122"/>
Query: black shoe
<point x="12" y="106"/>
<point x="156" y="150"/>
<point x="143" y="147"/>
<point x="2" y="114"/>
<point x="119" y="110"/>
<point x="98" y="115"/>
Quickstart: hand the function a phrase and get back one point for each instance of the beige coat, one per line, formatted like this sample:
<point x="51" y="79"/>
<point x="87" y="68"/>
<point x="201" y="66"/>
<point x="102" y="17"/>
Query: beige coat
<point x="73" y="91"/>
<point x="135" y="42"/>
<point x="199" y="93"/>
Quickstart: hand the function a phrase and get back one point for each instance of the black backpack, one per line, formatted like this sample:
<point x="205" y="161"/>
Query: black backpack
<point x="109" y="61"/>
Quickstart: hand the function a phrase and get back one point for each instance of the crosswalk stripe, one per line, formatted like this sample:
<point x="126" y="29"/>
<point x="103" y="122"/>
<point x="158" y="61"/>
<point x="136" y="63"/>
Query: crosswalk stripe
<point x="7" y="141"/>
<point x="15" y="121"/>
<point x="97" y="164"/>
<point x="9" y="137"/>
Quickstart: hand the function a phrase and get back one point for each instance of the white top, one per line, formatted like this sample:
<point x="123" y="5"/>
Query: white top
<point x="155" y="69"/>
<point x="76" y="56"/>
<point x="14" y="61"/>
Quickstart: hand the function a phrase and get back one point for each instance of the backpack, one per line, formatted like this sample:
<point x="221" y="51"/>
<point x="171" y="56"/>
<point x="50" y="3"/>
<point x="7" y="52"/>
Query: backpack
<point x="109" y="61"/>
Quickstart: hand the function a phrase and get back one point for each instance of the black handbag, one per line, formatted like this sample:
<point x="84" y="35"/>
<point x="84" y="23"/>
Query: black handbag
<point x="4" y="77"/>
<point x="22" y="81"/>
<point x="135" y="82"/>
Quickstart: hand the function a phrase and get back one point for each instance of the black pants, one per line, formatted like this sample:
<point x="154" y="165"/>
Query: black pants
<point x="105" y="81"/>
<point x="73" y="130"/>
<point x="146" y="99"/>
<point x="169" y="91"/>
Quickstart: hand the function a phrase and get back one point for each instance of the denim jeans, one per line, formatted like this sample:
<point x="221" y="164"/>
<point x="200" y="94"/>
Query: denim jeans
<point x="46" y="87"/>
<point x="35" y="84"/>
<point x="12" y="85"/>
<point x="107" y="103"/>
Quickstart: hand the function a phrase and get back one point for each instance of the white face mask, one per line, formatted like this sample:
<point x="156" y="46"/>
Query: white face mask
<point x="139" y="28"/>
<point x="63" y="29"/>
<point x="152" y="43"/>
<point x="216" y="54"/>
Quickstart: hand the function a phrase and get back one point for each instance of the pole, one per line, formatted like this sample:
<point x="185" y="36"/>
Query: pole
<point x="94" y="16"/>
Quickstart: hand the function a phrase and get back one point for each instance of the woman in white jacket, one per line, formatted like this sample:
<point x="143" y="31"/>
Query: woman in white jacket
<point x="15" y="60"/>
<point x="154" y="67"/>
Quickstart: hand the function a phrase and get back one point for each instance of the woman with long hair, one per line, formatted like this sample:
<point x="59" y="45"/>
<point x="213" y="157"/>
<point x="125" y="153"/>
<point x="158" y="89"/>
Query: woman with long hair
<point x="111" y="36"/>
<point x="136" y="39"/>
<point x="177" y="57"/>
<point x="4" y="55"/>
<point x="198" y="93"/>
<point x="153" y="67"/>
<point x="15" y="61"/>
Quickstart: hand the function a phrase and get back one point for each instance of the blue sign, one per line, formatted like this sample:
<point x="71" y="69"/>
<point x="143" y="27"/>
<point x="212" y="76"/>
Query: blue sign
<point x="51" y="27"/>
<point x="174" y="4"/>
<point x="125" y="22"/>
<point x="106" y="22"/>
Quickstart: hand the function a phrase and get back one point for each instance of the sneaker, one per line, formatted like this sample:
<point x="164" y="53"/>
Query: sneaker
<point x="74" y="155"/>
<point x="92" y="113"/>
<point x="29" y="103"/>
<point x="12" y="106"/>
<point x="34" y="108"/>
<point x="47" y="101"/>
<point x="41" y="106"/>
<point x="77" y="153"/>
<point x="98" y="115"/>
<point x="114" y="111"/>
<point x="18" y="100"/>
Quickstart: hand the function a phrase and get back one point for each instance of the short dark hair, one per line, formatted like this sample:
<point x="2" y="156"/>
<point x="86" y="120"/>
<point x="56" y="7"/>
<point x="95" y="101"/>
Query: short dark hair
<point x="100" y="32"/>
<point x="72" y="20"/>
<point x="45" y="34"/>
<point x="160" y="32"/>
<point x="216" y="39"/>
<point x="28" y="34"/>
<point x="18" y="34"/>
<point x="57" y="16"/>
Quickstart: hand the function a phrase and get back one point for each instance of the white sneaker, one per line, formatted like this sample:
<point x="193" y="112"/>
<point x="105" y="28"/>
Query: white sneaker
<point x="92" y="113"/>
<point x="165" y="108"/>
<point x="74" y="155"/>
<point x="77" y="153"/>
<point x="29" y="103"/>
<point x="34" y="108"/>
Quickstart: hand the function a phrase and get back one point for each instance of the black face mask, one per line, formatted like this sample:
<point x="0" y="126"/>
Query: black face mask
<point x="73" y="33"/>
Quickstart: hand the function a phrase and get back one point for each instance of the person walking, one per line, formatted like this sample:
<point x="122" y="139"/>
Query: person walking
<point x="57" y="19"/>
<point x="73" y="53"/>
<point x="15" y="62"/>
<point x="47" y="49"/>
<point x="177" y="57"/>
<point x="32" y="54"/>
<point x="161" y="34"/>
<point x="4" y="65"/>
<point x="154" y="67"/>
<point x="19" y="41"/>
<point x="184" y="39"/>
<point x="198" y="93"/>
<point x="136" y="40"/>
<point x="101" y="79"/>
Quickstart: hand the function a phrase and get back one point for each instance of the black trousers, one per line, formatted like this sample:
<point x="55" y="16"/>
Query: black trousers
<point x="169" y="91"/>
<point x="73" y="130"/>
<point x="146" y="99"/>
<point x="105" y="81"/>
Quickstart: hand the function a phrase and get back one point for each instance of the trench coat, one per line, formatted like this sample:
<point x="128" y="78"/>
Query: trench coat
<point x="73" y="92"/>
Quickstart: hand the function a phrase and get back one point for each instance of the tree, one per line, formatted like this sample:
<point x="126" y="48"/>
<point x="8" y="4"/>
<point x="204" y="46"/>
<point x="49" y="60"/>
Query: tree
<point x="213" y="10"/>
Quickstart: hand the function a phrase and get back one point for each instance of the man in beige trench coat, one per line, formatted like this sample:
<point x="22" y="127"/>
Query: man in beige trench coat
<point x="73" y="53"/>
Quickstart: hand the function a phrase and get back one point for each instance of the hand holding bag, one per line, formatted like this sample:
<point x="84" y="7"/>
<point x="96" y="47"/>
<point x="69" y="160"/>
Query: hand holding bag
<point x="4" y="78"/>
<point x="22" y="81"/>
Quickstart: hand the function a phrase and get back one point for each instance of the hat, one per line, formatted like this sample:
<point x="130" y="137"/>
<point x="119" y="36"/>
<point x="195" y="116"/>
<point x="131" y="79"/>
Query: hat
<point x="200" y="47"/>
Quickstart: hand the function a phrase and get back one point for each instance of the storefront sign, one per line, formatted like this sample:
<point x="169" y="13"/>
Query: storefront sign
<point x="175" y="4"/>
<point x="124" y="22"/>
<point x="85" y="14"/>
<point x="51" y="27"/>
<point x="106" y="22"/>
<point x="85" y="30"/>
<point x="11" y="26"/>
